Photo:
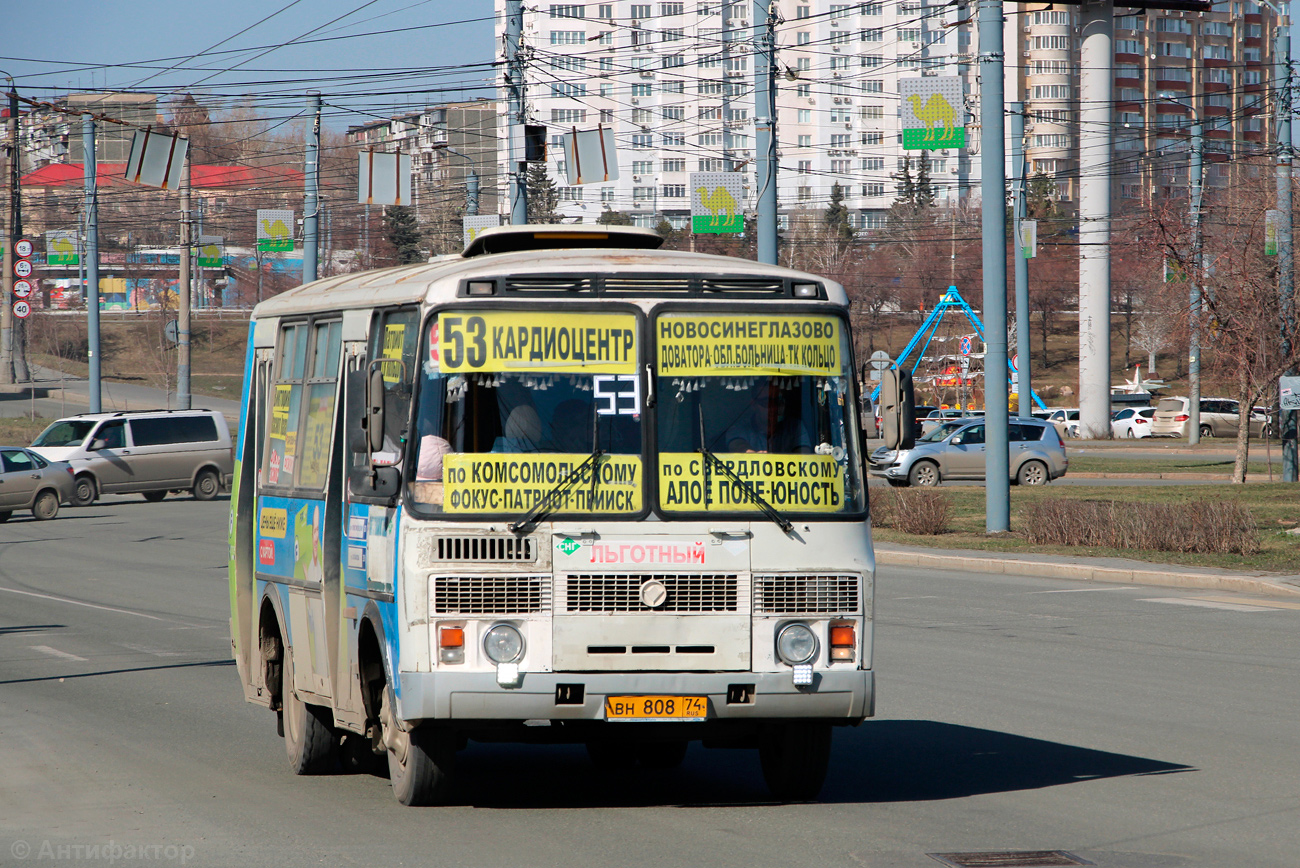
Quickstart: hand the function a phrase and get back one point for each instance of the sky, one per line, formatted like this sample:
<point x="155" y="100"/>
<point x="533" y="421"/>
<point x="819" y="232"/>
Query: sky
<point x="368" y="58"/>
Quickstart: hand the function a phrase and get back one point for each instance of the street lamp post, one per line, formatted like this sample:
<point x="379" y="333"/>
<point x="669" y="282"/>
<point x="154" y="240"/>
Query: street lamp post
<point x="1196" y="184"/>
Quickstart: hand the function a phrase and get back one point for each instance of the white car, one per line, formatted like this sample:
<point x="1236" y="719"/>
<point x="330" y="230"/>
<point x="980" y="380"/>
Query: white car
<point x="1132" y="422"/>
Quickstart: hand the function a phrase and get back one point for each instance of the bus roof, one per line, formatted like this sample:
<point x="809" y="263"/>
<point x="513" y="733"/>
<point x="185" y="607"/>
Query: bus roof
<point x="439" y="279"/>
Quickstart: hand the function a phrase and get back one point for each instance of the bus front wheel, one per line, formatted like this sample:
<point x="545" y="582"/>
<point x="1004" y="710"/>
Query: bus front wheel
<point x="419" y="760"/>
<point x="308" y="734"/>
<point x="795" y="757"/>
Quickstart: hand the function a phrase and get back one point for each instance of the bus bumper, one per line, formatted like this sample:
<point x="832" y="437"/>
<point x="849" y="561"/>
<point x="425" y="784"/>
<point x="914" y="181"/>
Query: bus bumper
<point x="847" y="694"/>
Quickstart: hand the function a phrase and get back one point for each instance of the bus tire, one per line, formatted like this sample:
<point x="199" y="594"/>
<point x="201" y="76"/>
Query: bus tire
<point x="662" y="754"/>
<point x="420" y="760"/>
<point x="84" y="491"/>
<point x="308" y="734"/>
<point x="795" y="757"/>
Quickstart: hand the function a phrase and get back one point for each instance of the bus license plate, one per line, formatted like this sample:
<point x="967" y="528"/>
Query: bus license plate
<point x="656" y="708"/>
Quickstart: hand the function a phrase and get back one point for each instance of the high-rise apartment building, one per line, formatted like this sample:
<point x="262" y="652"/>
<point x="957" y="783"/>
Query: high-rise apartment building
<point x="673" y="81"/>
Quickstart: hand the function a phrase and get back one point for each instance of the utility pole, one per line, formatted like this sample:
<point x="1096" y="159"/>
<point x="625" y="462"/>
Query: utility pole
<point x="471" y="193"/>
<point x="518" y="166"/>
<point x="1197" y="273"/>
<point x="1097" y="59"/>
<point x="15" y="233"/>
<point x="311" y="204"/>
<point x="1024" y="388"/>
<point x="1285" y="249"/>
<point x="765" y="128"/>
<point x="92" y="259"/>
<point x="993" y="184"/>
<point x="183" y="298"/>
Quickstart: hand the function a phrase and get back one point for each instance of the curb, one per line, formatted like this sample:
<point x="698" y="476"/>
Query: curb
<point x="1126" y="572"/>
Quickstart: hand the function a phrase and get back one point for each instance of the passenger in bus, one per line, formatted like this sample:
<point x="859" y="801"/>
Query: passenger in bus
<point x="523" y="431"/>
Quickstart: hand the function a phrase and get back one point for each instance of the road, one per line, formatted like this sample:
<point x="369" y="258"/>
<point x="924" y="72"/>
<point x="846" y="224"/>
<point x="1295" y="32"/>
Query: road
<point x="1135" y="727"/>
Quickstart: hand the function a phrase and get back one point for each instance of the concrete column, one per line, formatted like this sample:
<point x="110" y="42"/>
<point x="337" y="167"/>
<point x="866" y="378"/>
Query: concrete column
<point x="1095" y="114"/>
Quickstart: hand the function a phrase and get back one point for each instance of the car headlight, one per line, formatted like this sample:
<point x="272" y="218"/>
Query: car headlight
<point x="796" y="644"/>
<point x="503" y="644"/>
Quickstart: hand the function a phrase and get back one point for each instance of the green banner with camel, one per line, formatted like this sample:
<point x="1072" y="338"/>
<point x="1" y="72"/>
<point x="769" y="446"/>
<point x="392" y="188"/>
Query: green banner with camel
<point x="933" y="113"/>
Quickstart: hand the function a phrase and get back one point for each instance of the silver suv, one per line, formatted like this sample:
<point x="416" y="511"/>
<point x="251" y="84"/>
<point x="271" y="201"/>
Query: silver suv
<point x="955" y="450"/>
<point x="149" y="452"/>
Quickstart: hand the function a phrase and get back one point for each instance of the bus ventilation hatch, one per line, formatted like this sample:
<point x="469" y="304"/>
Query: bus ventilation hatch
<point x="490" y="595"/>
<point x="795" y="594"/>
<point x="483" y="549"/>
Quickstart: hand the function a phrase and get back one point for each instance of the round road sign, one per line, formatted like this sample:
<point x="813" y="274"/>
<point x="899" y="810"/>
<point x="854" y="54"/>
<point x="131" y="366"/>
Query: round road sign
<point x="1015" y="362"/>
<point x="964" y="345"/>
<point x="880" y="360"/>
<point x="23" y="248"/>
<point x="22" y="288"/>
<point x="22" y="309"/>
<point x="22" y="268"/>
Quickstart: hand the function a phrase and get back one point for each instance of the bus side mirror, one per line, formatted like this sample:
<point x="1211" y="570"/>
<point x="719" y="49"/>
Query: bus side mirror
<point x="374" y="420"/>
<point x="897" y="408"/>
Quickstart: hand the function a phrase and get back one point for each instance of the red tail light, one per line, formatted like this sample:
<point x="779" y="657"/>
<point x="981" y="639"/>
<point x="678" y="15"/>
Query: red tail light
<point x="1182" y="418"/>
<point x="1138" y="420"/>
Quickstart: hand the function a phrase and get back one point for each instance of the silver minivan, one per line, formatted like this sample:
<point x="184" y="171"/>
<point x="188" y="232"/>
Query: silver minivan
<point x="149" y="452"/>
<point x="955" y="450"/>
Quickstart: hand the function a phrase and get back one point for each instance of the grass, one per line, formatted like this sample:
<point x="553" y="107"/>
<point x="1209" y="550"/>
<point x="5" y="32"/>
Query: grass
<point x="21" y="430"/>
<point x="1117" y="464"/>
<point x="1275" y="507"/>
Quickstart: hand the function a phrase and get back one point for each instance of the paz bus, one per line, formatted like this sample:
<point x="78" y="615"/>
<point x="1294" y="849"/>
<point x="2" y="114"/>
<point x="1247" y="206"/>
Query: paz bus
<point x="563" y="487"/>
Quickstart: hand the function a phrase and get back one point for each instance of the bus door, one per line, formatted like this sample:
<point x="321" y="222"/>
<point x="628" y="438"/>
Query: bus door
<point x="292" y="513"/>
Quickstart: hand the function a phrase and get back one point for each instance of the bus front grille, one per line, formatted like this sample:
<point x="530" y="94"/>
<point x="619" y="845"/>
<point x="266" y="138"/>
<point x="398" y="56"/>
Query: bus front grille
<point x="622" y="593"/>
<point x="490" y="595"/>
<point x="796" y="594"/>
<point x="480" y="549"/>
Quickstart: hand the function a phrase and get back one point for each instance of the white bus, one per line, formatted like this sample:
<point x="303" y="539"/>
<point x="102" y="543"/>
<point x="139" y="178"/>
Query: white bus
<point x="564" y="487"/>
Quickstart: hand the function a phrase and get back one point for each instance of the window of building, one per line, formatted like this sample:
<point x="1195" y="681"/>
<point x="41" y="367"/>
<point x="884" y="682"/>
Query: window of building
<point x="1050" y="43"/>
<point x="674" y="113"/>
<point x="1173" y="49"/>
<point x="873" y="188"/>
<point x="711" y="140"/>
<point x="642" y="167"/>
<point x="1128" y="22"/>
<point x="1215" y="52"/>
<point x="802" y="11"/>
<point x="803" y="116"/>
<point x="805" y="193"/>
<point x="839" y="167"/>
<point x="673" y="34"/>
<point x="606" y="37"/>
<point x="641" y="117"/>
<point x="1173" y="25"/>
<point x="674" y="140"/>
<point x="712" y="164"/>
<point x="805" y="141"/>
<point x="873" y="112"/>
<point x="640" y="11"/>
<point x="642" y="140"/>
<point x="909" y="34"/>
<point x="568" y="37"/>
<point x="674" y="165"/>
<point x="567" y="89"/>
<point x="568" y="116"/>
<point x="569" y="194"/>
<point x="841" y="140"/>
<point x="805" y="167"/>
<point x="643" y="194"/>
<point x="873" y="138"/>
<point x="667" y="9"/>
<point x="568" y="11"/>
<point x="569" y="64"/>
<point x="1217" y="28"/>
<point x="803" y="90"/>
<point x="674" y="191"/>
<point x="643" y="90"/>
<point x="672" y="61"/>
<point x="871" y="61"/>
<point x="803" y="37"/>
<point x="605" y="10"/>
<point x="839" y="37"/>
<point x="840" y="10"/>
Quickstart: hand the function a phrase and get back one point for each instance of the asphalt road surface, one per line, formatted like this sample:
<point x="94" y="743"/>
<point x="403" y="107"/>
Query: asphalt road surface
<point x="1134" y="727"/>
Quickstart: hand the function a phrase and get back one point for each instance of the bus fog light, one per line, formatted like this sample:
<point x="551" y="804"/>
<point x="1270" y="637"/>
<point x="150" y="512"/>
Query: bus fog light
<point x="803" y="675"/>
<point x="508" y="674"/>
<point x="841" y="653"/>
<point x="796" y="644"/>
<point x="503" y="644"/>
<point x="805" y="290"/>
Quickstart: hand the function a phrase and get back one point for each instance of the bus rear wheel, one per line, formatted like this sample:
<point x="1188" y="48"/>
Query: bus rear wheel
<point x="420" y="760"/>
<point x="795" y="757"/>
<point x="308" y="733"/>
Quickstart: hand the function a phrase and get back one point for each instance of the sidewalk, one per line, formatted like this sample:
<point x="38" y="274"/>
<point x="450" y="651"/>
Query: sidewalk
<point x="1085" y="569"/>
<point x="60" y="395"/>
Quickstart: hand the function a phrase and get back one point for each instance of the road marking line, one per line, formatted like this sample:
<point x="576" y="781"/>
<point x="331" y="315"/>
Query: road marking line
<point x="153" y="652"/>
<point x="55" y="652"/>
<point x="1266" y="604"/>
<point x="1204" y="604"/>
<point x="87" y="605"/>
<point x="1084" y="590"/>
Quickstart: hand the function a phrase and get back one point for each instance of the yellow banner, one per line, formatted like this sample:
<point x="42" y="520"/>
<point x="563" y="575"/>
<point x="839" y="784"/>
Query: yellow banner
<point x="488" y="482"/>
<point x="793" y="483"/>
<point x="280" y="412"/>
<point x="394" y="340"/>
<point x="274" y="522"/>
<point x="493" y="341"/>
<point x="749" y="345"/>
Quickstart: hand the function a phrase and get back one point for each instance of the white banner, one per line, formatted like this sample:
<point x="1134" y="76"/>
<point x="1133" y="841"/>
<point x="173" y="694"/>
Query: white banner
<point x="590" y="157"/>
<point x="156" y="159"/>
<point x="383" y="179"/>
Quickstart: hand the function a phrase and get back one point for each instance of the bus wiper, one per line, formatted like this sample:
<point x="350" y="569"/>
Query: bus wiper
<point x="711" y="460"/>
<point x="548" y="504"/>
<point x="551" y="501"/>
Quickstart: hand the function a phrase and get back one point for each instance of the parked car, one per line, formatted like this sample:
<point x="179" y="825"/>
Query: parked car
<point x="937" y="417"/>
<point x="1132" y="422"/>
<point x="1066" y="420"/>
<point x="955" y="450"/>
<point x="28" y="481"/>
<point x="1219" y="417"/>
<point x="919" y="413"/>
<point x="147" y="452"/>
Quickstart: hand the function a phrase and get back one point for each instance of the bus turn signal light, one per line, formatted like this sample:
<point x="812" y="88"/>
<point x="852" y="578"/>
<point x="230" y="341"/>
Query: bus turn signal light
<point x="451" y="644"/>
<point x="842" y="642"/>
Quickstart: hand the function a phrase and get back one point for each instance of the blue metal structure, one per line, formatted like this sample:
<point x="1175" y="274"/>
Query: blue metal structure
<point x="950" y="300"/>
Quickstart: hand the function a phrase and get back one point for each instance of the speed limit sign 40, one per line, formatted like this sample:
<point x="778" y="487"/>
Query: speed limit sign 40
<point x="22" y="309"/>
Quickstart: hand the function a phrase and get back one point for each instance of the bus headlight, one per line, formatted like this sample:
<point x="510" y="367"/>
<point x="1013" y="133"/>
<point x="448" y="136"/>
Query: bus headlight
<point x="503" y="644"/>
<point x="796" y="644"/>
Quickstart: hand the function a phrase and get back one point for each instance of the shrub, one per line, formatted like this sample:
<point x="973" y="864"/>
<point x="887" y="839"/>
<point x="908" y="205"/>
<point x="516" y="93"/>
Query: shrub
<point x="920" y="511"/>
<point x="1202" y="526"/>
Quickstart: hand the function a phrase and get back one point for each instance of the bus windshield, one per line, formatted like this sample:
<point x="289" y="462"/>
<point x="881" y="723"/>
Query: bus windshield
<point x="766" y="394"/>
<point x="501" y="427"/>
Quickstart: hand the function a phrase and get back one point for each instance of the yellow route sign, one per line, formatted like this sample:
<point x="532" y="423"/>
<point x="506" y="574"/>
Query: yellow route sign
<point x="733" y="345"/>
<point x="547" y="342"/>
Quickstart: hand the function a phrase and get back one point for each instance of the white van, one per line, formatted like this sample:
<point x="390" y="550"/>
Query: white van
<point x="149" y="452"/>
